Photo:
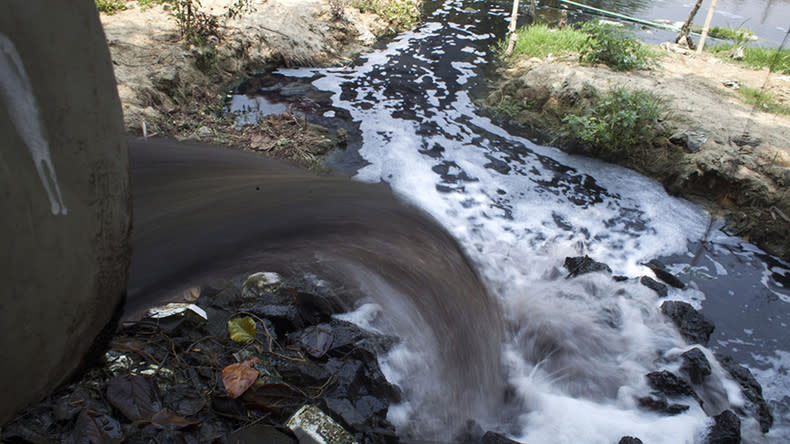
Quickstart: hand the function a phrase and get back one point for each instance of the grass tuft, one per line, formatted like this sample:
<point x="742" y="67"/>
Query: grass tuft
<point x="110" y="6"/>
<point x="763" y="100"/>
<point x="540" y="41"/>
<point x="756" y="57"/>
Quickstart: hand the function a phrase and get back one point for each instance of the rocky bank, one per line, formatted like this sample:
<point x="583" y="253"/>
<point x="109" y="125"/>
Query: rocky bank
<point x="731" y="157"/>
<point x="172" y="86"/>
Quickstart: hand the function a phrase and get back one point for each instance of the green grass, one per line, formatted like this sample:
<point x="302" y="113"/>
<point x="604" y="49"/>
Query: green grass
<point x="400" y="14"/>
<point x="756" y="57"/>
<point x="110" y="6"/>
<point x="540" y="41"/>
<point x="737" y="35"/>
<point x="621" y="122"/>
<point x="764" y="100"/>
<point x="595" y="43"/>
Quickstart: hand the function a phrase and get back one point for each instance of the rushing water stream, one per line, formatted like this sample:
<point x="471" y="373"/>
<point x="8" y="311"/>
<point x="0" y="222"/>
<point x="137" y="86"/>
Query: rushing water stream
<point x="577" y="349"/>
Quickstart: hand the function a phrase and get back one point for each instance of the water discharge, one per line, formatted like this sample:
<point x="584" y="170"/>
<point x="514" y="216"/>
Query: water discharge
<point x="576" y="350"/>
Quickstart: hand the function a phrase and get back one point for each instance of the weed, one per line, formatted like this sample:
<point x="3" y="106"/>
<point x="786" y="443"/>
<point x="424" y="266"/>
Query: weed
<point x="738" y="35"/>
<point x="539" y="41"/>
<point x="614" y="48"/>
<point x="757" y="57"/>
<point x="621" y="122"/>
<point x="110" y="6"/>
<point x="337" y="7"/>
<point x="148" y="4"/>
<point x="763" y="100"/>
<point x="400" y="14"/>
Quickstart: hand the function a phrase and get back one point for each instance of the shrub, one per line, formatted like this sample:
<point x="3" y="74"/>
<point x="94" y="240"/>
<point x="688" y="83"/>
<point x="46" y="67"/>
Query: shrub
<point x="110" y="6"/>
<point x="614" y="48"/>
<point x="618" y="123"/>
<point x="400" y="14"/>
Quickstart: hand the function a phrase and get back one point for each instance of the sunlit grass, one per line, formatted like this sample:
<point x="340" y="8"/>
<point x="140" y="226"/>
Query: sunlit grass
<point x="764" y="100"/>
<point x="756" y="57"/>
<point x="540" y="41"/>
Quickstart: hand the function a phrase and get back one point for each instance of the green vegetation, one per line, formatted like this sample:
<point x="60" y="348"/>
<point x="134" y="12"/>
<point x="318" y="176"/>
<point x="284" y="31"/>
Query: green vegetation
<point x="110" y="6"/>
<point x="539" y="41"/>
<point x="614" y="48"/>
<point x="738" y="35"/>
<point x="621" y="122"/>
<point x="778" y="61"/>
<point x="763" y="100"/>
<point x="594" y="42"/>
<point x="400" y="14"/>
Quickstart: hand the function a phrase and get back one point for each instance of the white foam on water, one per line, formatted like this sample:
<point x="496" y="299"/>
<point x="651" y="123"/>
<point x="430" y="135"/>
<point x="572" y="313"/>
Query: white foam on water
<point x="580" y="347"/>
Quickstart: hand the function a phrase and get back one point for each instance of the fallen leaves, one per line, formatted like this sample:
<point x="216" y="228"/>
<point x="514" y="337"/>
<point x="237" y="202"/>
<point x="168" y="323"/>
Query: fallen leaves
<point x="237" y="378"/>
<point x="242" y="330"/>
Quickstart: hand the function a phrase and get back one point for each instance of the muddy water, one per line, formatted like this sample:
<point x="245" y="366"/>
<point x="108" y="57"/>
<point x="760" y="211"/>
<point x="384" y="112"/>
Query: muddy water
<point x="518" y="209"/>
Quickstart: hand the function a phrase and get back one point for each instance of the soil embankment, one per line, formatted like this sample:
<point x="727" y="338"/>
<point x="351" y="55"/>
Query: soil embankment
<point x="171" y="87"/>
<point x="739" y="166"/>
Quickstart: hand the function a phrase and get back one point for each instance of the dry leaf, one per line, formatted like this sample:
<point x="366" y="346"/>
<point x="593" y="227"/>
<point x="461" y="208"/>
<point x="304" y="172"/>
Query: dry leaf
<point x="134" y="396"/>
<point x="237" y="378"/>
<point x="171" y="421"/>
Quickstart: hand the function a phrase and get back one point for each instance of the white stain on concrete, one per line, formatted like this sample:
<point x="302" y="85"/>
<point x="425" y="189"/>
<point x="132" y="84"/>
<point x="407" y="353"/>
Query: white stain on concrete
<point x="16" y="91"/>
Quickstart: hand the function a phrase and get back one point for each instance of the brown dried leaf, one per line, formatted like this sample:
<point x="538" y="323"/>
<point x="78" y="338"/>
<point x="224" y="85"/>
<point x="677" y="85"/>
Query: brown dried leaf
<point x="237" y="378"/>
<point x="134" y="396"/>
<point x="171" y="421"/>
<point x="270" y="396"/>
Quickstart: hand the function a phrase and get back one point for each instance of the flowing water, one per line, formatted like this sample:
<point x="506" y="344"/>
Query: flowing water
<point x="575" y="350"/>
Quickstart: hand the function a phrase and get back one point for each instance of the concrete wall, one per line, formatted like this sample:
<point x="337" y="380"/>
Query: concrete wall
<point x="64" y="194"/>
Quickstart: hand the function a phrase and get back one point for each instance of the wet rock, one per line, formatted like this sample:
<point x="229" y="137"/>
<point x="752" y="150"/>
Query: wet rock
<point x="496" y="438"/>
<point x="660" y="405"/>
<point x="751" y="389"/>
<point x="285" y="318"/>
<point x="726" y="429"/>
<point x="315" y="340"/>
<point x="470" y="433"/>
<point x="629" y="440"/>
<point x="662" y="273"/>
<point x="693" y="326"/>
<point x="695" y="365"/>
<point x="582" y="265"/>
<point x="669" y="384"/>
<point x="654" y="285"/>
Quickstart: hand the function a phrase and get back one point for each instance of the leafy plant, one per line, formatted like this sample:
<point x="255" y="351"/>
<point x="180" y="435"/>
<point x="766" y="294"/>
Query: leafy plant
<point x="400" y="14"/>
<point x="614" y="48"/>
<point x="619" y="122"/>
<point x="110" y="6"/>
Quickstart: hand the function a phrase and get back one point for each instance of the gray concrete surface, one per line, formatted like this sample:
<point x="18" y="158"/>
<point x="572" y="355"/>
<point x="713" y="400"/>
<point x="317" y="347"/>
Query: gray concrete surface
<point x="64" y="187"/>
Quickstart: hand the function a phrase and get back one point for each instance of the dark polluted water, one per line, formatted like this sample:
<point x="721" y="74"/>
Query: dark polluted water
<point x="576" y="350"/>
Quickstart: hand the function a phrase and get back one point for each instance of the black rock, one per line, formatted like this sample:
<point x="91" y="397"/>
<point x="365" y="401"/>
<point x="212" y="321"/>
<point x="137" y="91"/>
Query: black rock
<point x="496" y="438"/>
<point x="695" y="365"/>
<point x="286" y="318"/>
<point x="661" y="272"/>
<point x="661" y="405"/>
<point x="629" y="440"/>
<point x="259" y="433"/>
<point x="470" y="433"/>
<point x="751" y="389"/>
<point x="582" y="265"/>
<point x="654" y="285"/>
<point x="726" y="430"/>
<point x="669" y="384"/>
<point x="693" y="326"/>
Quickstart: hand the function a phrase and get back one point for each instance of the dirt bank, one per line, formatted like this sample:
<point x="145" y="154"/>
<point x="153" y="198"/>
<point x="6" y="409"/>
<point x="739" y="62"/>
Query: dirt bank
<point x="171" y="87"/>
<point x="745" y="179"/>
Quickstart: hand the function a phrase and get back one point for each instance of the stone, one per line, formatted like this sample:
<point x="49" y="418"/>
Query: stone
<point x="726" y="429"/>
<point x="751" y="389"/>
<point x="654" y="285"/>
<point x="661" y="272"/>
<point x="661" y="405"/>
<point x="311" y="425"/>
<point x="496" y="438"/>
<point x="582" y="265"/>
<point x="695" y="365"/>
<point x="260" y="433"/>
<point x="670" y="384"/>
<point x="689" y="140"/>
<point x="629" y="440"/>
<point x="693" y="326"/>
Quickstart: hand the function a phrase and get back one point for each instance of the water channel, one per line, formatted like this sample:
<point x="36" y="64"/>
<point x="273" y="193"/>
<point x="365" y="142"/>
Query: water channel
<point x="577" y="349"/>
